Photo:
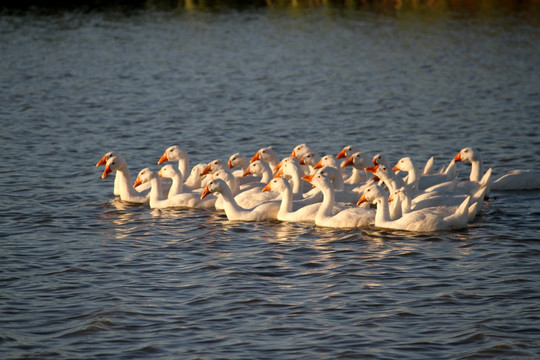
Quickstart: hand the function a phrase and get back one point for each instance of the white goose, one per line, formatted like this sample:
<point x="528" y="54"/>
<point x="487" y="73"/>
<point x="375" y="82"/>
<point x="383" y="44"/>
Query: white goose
<point x="310" y="160"/>
<point x="122" y="182"/>
<point x="417" y="181"/>
<point x="405" y="203"/>
<point x="158" y="201"/>
<point x="326" y="216"/>
<point x="219" y="165"/>
<point x="266" y="154"/>
<point x="342" y="192"/>
<point x="261" y="170"/>
<point x="299" y="152"/>
<point x="359" y="161"/>
<point x="194" y="181"/>
<point x="346" y="153"/>
<point x="235" y="212"/>
<point x="117" y="179"/>
<point x="173" y="173"/>
<point x="288" y="210"/>
<point x="253" y="196"/>
<point x="380" y="159"/>
<point x="292" y="171"/>
<point x="238" y="160"/>
<point x="386" y="175"/>
<point x="418" y="221"/>
<point x="175" y="153"/>
<point x="513" y="180"/>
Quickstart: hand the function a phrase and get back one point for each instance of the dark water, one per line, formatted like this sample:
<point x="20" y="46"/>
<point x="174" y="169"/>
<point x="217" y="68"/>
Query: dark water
<point x="85" y="276"/>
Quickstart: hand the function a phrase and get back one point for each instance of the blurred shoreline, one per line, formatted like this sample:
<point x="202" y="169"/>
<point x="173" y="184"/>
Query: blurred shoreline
<point x="470" y="7"/>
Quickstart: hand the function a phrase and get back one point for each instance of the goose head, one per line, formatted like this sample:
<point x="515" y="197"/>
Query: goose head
<point x="358" y="160"/>
<point x="404" y="164"/>
<point x="346" y="152"/>
<point x="144" y="176"/>
<point x="169" y="171"/>
<point x="173" y="153"/>
<point x="310" y="159"/>
<point x="265" y="154"/>
<point x="318" y="180"/>
<point x="380" y="159"/>
<point x="215" y="185"/>
<point x="277" y="184"/>
<point x="380" y="171"/>
<point x="107" y="156"/>
<point x="300" y="150"/>
<point x="114" y="163"/>
<point x="289" y="168"/>
<point x="237" y="160"/>
<point x="254" y="168"/>
<point x="213" y="166"/>
<point x="372" y="194"/>
<point x="285" y="161"/>
<point x="330" y="172"/>
<point x="327" y="160"/>
<point x="467" y="155"/>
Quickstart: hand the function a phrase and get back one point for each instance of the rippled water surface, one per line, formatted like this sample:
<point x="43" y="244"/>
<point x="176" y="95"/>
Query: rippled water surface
<point x="85" y="276"/>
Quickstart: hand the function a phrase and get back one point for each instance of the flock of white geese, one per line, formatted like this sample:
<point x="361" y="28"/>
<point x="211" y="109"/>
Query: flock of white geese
<point x="304" y="187"/>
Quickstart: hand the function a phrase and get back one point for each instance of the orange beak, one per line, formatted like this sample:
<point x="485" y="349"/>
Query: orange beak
<point x="106" y="172"/>
<point x="458" y="157"/>
<point x="372" y="169"/>
<point x="160" y="173"/>
<point x="302" y="162"/>
<point x="348" y="162"/>
<point x="361" y="200"/>
<point x="230" y="164"/>
<point x="375" y="160"/>
<point x="255" y="157"/>
<point x="396" y="168"/>
<point x="279" y="173"/>
<point x="278" y="166"/>
<point x="293" y="154"/>
<point x="206" y="170"/>
<point x="103" y="161"/>
<point x="391" y="198"/>
<point x="341" y="154"/>
<point x="318" y="165"/>
<point x="308" y="178"/>
<point x="163" y="158"/>
<point x="247" y="172"/>
<point x="267" y="187"/>
<point x="137" y="182"/>
<point x="205" y="192"/>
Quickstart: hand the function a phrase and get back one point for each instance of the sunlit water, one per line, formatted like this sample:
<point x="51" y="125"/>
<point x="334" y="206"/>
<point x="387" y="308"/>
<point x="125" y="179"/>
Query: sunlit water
<point x="86" y="276"/>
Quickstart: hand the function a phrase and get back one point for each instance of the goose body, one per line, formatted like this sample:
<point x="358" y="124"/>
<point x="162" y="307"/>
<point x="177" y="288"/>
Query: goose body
<point x="327" y="217"/>
<point x="123" y="181"/>
<point x="288" y="210"/>
<point x="235" y="212"/>
<point x="418" y="181"/>
<point x="158" y="201"/>
<point x="418" y="221"/>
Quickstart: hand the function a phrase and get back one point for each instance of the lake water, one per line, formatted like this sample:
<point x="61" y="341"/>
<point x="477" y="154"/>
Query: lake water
<point x="85" y="276"/>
